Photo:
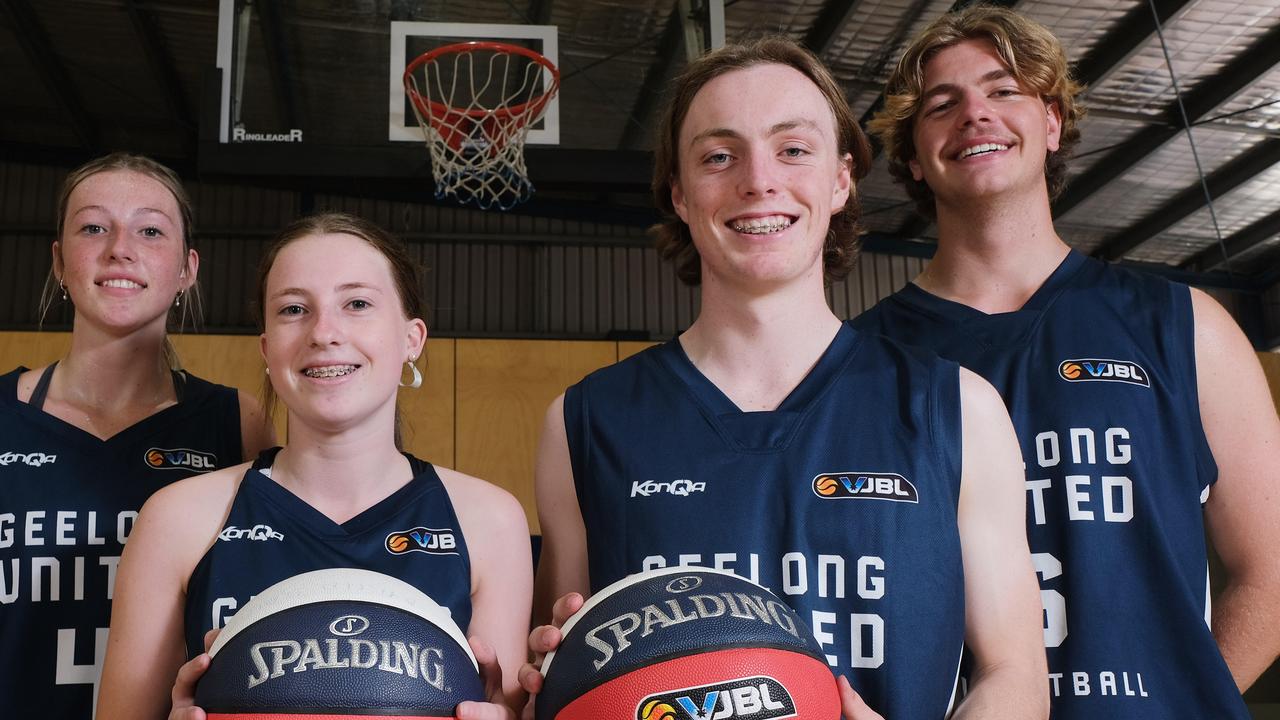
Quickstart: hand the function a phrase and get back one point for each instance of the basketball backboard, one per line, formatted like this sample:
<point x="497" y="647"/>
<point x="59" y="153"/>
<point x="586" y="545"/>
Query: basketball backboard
<point x="314" y="90"/>
<point x="313" y="79"/>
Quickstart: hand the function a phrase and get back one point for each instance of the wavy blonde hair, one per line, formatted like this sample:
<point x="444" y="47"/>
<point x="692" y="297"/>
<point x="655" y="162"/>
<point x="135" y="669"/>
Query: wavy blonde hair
<point x="1034" y="57"/>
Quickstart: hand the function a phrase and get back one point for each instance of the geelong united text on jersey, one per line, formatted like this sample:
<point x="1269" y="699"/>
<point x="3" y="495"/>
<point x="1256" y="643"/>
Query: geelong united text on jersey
<point x="1097" y="370"/>
<point x="842" y="501"/>
<point x="271" y="534"/>
<point x="68" y="502"/>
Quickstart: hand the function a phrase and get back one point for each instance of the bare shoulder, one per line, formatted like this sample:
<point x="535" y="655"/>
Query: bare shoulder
<point x="493" y="523"/>
<point x="472" y="495"/>
<point x="553" y="428"/>
<point x="1227" y="368"/>
<point x="977" y="395"/>
<point x="179" y="522"/>
<point x="1204" y="303"/>
<point x="195" y="506"/>
<point x="1216" y="332"/>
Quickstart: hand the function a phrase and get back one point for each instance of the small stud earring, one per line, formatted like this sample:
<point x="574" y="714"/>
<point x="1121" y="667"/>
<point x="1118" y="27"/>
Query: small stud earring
<point x="416" y="382"/>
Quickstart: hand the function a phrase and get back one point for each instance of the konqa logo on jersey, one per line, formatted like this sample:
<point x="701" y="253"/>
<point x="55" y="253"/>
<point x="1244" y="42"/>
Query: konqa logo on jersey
<point x="1100" y="370"/>
<point x="865" y="486"/>
<point x="34" y="459"/>
<point x="258" y="532"/>
<point x="180" y="459"/>
<point x="750" y="698"/>
<point x="423" y="540"/>
<point x="682" y="487"/>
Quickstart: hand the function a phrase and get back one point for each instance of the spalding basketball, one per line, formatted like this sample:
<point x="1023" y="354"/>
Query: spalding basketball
<point x="686" y="644"/>
<point x="339" y="644"/>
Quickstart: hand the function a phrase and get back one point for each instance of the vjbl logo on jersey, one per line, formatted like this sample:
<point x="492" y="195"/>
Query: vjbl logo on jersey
<point x="1099" y="370"/>
<point x="753" y="698"/>
<point x="180" y="459"/>
<point x="424" y="540"/>
<point x="863" y="485"/>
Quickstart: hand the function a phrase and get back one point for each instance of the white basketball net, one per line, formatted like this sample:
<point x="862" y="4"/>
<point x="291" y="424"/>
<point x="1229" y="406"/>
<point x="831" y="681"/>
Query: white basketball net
<point x="475" y="107"/>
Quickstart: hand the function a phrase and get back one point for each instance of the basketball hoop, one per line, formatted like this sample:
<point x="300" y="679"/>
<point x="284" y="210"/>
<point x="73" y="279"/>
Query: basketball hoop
<point x="475" y="103"/>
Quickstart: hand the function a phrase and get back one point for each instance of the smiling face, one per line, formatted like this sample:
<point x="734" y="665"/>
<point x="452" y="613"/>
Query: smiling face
<point x="759" y="176"/>
<point x="979" y="133"/>
<point x="336" y="336"/>
<point x="122" y="254"/>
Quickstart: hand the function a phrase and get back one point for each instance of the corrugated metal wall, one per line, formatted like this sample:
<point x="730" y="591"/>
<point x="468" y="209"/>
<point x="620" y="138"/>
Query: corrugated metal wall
<point x="489" y="273"/>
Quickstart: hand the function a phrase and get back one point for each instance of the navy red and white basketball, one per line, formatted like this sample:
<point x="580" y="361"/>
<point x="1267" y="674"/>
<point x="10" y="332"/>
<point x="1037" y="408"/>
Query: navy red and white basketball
<point x="686" y="644"/>
<point x="338" y="644"/>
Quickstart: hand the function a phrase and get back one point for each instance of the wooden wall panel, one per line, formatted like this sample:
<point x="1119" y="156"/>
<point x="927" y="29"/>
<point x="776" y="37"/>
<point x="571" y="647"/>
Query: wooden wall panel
<point x="31" y="349"/>
<point x="427" y="414"/>
<point x="1271" y="366"/>
<point x="503" y="390"/>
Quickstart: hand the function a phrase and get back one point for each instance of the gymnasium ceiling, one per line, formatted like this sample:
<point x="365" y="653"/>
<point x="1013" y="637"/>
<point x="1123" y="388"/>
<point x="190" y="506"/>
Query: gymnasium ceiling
<point x="84" y="76"/>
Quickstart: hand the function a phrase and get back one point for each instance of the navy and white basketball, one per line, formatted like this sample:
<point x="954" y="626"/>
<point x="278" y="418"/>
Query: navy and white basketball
<point x="686" y="643"/>
<point x="339" y="643"/>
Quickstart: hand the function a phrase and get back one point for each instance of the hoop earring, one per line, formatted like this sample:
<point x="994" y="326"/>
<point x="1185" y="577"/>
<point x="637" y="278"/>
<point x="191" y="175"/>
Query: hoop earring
<point x="417" y="375"/>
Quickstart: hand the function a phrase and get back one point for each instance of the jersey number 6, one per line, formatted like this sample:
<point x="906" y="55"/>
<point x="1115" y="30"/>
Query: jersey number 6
<point x="1055" y="606"/>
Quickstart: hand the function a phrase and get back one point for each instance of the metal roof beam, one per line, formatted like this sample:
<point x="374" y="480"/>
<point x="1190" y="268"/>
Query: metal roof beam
<point x="1208" y="94"/>
<point x="833" y="17"/>
<point x="642" y="115"/>
<point x="1242" y="71"/>
<point x="45" y="63"/>
<point x="1211" y="258"/>
<point x="1126" y="38"/>
<point x="162" y="66"/>
<point x="1222" y="181"/>
<point x="1111" y="166"/>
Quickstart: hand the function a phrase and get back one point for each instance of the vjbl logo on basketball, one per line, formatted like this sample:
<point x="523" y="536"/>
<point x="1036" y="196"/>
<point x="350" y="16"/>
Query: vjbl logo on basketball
<point x="864" y="485"/>
<point x="424" y="540"/>
<point x="753" y="698"/>
<point x="1099" y="370"/>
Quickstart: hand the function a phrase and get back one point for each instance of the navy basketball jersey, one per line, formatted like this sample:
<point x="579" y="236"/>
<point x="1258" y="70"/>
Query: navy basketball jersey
<point x="1098" y="372"/>
<point x="272" y="534"/>
<point x="842" y="500"/>
<point x="67" y="504"/>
